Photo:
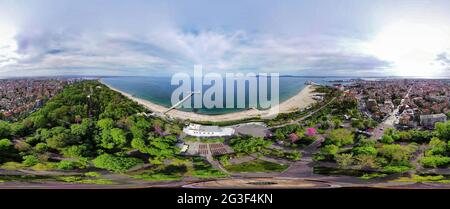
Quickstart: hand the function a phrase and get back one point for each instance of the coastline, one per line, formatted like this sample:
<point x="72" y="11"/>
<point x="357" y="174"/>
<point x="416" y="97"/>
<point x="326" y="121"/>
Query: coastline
<point x="302" y="99"/>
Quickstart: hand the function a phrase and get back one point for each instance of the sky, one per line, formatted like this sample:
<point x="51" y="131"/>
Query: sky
<point x="148" y="38"/>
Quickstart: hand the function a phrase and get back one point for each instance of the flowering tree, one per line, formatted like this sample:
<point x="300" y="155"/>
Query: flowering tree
<point x="311" y="131"/>
<point x="294" y="137"/>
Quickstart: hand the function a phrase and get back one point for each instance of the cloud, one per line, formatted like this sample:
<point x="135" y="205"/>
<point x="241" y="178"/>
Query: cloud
<point x="147" y="38"/>
<point x="175" y="50"/>
<point x="443" y="58"/>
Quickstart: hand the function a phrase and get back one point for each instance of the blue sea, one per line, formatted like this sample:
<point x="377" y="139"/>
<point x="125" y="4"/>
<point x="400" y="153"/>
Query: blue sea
<point x="158" y="90"/>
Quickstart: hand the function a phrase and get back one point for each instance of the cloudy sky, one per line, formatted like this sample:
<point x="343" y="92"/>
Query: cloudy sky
<point x="317" y="37"/>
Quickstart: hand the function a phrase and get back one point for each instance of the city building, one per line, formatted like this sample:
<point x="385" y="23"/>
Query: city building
<point x="428" y="121"/>
<point x="372" y="104"/>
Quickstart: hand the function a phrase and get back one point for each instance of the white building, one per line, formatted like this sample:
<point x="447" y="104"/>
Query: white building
<point x="207" y="131"/>
<point x="428" y="121"/>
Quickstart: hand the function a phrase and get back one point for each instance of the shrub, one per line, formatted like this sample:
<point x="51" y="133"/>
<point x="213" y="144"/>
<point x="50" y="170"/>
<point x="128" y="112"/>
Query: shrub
<point x="114" y="163"/>
<point x="366" y="150"/>
<point x="387" y="139"/>
<point x="66" y="165"/>
<point x="434" y="161"/>
<point x="328" y="152"/>
<point x="249" y="145"/>
<point x="395" y="169"/>
<point x="396" y="153"/>
<point x="344" y="160"/>
<point x="41" y="147"/>
<point x="43" y="166"/>
<point x="340" y="137"/>
<point x="294" y="155"/>
<point x="30" y="160"/>
<point x="92" y="174"/>
<point x="366" y="162"/>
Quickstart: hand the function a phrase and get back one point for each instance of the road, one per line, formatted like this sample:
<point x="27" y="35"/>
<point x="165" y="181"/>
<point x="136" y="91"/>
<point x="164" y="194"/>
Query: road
<point x="390" y="121"/>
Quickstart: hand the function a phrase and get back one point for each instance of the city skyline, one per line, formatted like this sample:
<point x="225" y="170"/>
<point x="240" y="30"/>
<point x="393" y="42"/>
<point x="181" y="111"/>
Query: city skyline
<point x="310" y="38"/>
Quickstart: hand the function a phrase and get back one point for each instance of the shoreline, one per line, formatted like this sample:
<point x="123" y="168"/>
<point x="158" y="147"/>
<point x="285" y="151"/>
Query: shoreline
<point x="302" y="99"/>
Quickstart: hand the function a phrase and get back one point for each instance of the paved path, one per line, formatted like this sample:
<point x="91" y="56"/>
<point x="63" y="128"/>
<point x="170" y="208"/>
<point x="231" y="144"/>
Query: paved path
<point x="304" y="167"/>
<point x="415" y="160"/>
<point x="306" y="116"/>
<point x="273" y="160"/>
<point x="313" y="147"/>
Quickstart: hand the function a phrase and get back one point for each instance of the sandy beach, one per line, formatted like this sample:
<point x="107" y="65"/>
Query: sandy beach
<point x="302" y="100"/>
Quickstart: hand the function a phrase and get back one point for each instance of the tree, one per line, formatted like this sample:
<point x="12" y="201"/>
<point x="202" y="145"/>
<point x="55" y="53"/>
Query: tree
<point x="158" y="147"/>
<point x="88" y="119"/>
<point x="58" y="141"/>
<point x="357" y="124"/>
<point x="365" y="150"/>
<point x="387" y="139"/>
<point x="75" y="151"/>
<point x="436" y="142"/>
<point x="113" y="138"/>
<point x="30" y="160"/>
<point x="39" y="121"/>
<point x="294" y="155"/>
<point x="162" y="147"/>
<point x="328" y="152"/>
<point x="340" y="137"/>
<point x="344" y="160"/>
<point x="396" y="153"/>
<point x="7" y="151"/>
<point x="434" y="161"/>
<point x="5" y="144"/>
<point x="105" y="124"/>
<point x="390" y="135"/>
<point x="41" y="147"/>
<point x="279" y="134"/>
<point x="366" y="162"/>
<point x="337" y="122"/>
<point x="437" y="147"/>
<point x="139" y="144"/>
<point x="18" y="129"/>
<point x="249" y="145"/>
<point x="442" y="130"/>
<point x="115" y="163"/>
<point x="420" y="136"/>
<point x="5" y="129"/>
<point x="66" y="165"/>
<point x="82" y="129"/>
<point x="405" y="136"/>
<point x="363" y="141"/>
<point x="118" y="137"/>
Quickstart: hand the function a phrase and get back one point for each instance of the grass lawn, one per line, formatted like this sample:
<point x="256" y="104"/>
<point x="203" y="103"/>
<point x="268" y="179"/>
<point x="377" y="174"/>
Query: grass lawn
<point x="157" y="177"/>
<point x="419" y="178"/>
<point x="83" y="180"/>
<point x="202" y="169"/>
<point x="161" y="173"/>
<point x="256" y="166"/>
<point x="12" y="166"/>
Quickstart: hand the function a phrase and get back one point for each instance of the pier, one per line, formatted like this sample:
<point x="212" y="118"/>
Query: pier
<point x="181" y="102"/>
